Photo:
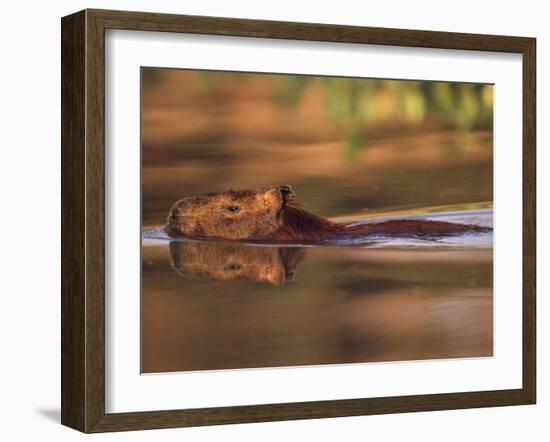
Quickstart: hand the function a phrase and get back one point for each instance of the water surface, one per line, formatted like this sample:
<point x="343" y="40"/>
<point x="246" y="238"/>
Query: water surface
<point x="355" y="150"/>
<point x="210" y="305"/>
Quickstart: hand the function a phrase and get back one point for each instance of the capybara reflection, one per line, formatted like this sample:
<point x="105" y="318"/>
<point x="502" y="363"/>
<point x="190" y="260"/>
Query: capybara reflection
<point x="232" y="261"/>
<point x="272" y="214"/>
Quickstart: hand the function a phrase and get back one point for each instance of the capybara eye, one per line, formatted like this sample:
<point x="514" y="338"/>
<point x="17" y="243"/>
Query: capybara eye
<point x="232" y="209"/>
<point x="232" y="266"/>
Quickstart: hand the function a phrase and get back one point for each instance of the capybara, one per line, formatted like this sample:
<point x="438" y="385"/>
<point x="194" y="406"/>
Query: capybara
<point x="272" y="214"/>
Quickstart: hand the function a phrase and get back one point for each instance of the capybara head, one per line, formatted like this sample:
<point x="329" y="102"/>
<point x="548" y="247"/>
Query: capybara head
<point x="233" y="215"/>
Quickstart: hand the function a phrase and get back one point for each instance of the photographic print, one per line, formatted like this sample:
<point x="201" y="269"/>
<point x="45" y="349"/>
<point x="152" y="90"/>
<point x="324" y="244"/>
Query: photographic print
<point x="297" y="220"/>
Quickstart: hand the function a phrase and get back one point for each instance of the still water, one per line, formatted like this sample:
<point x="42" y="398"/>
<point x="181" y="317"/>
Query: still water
<point x="210" y="305"/>
<point x="218" y="305"/>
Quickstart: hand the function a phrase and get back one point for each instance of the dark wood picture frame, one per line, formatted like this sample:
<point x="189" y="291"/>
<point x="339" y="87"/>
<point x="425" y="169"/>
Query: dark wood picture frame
<point x="83" y="220"/>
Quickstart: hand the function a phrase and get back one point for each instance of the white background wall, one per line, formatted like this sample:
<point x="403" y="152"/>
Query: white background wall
<point x="30" y="217"/>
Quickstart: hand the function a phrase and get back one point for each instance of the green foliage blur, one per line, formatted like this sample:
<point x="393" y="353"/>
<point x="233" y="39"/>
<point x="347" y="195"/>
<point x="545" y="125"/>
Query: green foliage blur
<point x="360" y="104"/>
<point x="463" y="106"/>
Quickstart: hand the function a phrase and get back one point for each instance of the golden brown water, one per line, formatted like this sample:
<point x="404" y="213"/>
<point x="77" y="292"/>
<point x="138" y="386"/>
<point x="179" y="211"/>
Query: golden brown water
<point x="220" y="306"/>
<point x="377" y="148"/>
<point x="232" y="131"/>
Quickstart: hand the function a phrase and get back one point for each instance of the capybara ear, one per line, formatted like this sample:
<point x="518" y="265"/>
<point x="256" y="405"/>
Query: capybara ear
<point x="273" y="199"/>
<point x="287" y="192"/>
<point x="275" y="196"/>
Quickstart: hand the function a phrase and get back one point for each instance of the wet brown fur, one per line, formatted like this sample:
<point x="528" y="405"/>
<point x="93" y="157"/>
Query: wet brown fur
<point x="272" y="215"/>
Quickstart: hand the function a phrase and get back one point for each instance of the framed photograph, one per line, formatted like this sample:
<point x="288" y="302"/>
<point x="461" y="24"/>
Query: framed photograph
<point x="268" y="221"/>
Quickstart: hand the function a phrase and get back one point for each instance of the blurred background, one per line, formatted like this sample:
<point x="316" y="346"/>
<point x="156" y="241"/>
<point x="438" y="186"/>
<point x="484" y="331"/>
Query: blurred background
<point x="347" y="146"/>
